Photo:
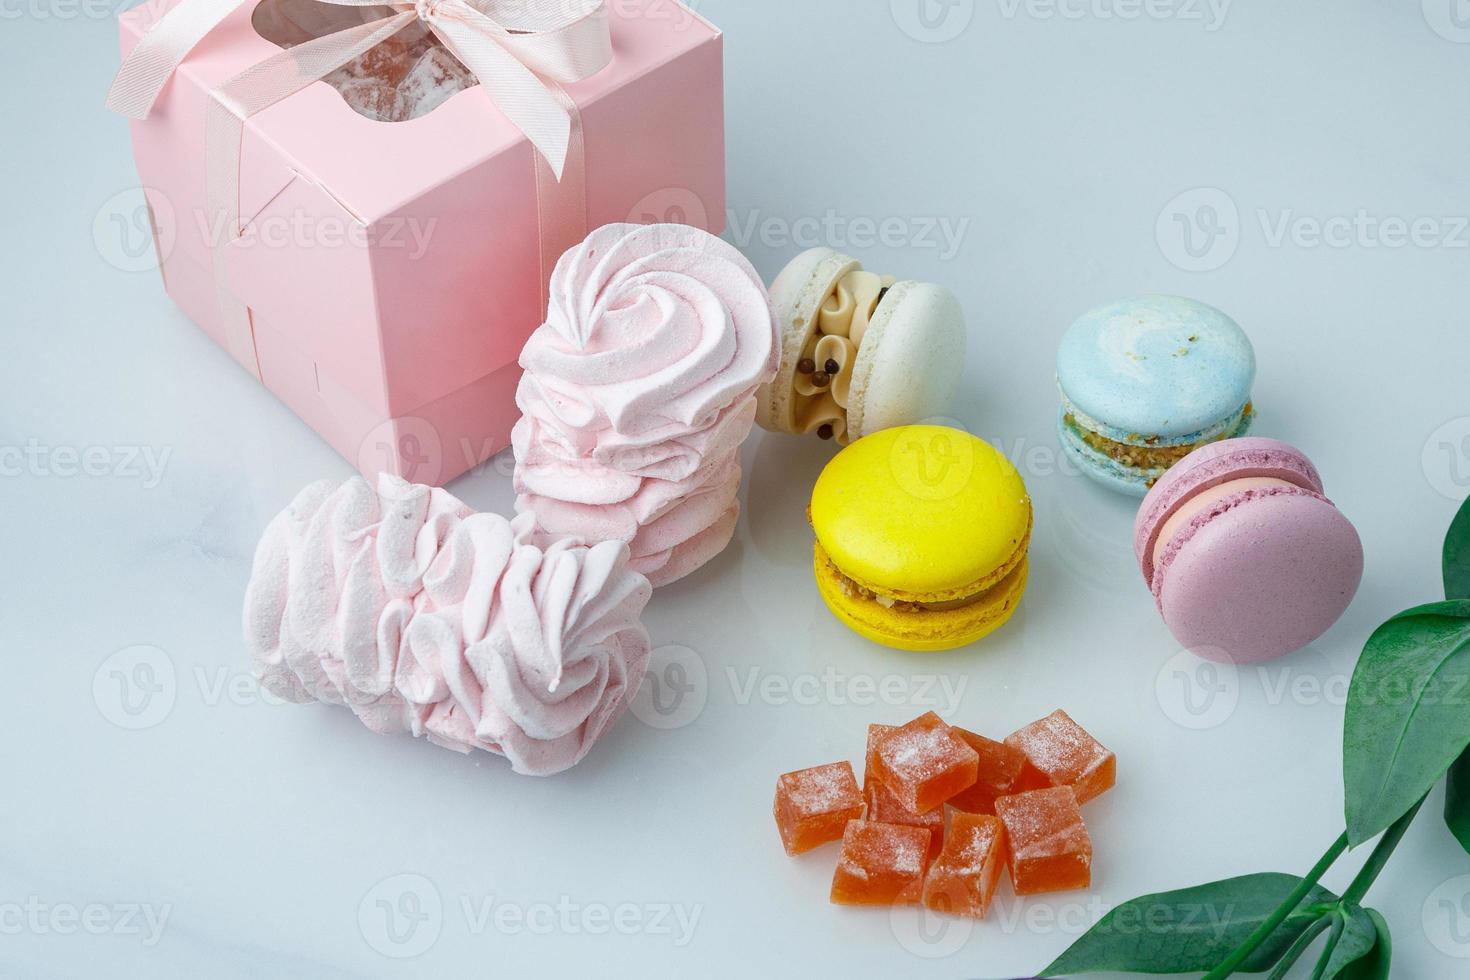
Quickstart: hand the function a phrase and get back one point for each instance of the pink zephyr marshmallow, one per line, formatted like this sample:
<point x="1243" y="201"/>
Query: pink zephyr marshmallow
<point x="425" y="617"/>
<point x="639" y="391"/>
<point x="1246" y="557"/>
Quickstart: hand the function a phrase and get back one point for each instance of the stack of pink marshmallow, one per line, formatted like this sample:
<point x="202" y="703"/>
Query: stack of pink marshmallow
<point x="424" y="617"/>
<point x="638" y="393"/>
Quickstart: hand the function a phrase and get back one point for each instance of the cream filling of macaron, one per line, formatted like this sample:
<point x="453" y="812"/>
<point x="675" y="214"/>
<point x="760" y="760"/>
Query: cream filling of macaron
<point x="1203" y="502"/>
<point x="902" y="605"/>
<point x="821" y="396"/>
<point x="1147" y="453"/>
<point x="983" y="590"/>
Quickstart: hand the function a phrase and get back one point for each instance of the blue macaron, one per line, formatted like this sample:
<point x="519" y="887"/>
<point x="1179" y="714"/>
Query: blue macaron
<point x="1146" y="381"/>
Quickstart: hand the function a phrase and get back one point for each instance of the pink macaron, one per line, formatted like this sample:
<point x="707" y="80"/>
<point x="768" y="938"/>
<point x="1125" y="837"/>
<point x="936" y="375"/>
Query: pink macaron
<point x="1246" y="557"/>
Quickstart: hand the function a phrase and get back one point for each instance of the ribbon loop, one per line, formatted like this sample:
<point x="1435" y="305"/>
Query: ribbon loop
<point x="513" y="85"/>
<point x="520" y="50"/>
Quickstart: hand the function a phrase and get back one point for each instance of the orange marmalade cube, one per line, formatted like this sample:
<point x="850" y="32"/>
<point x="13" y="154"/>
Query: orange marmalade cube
<point x="881" y="864"/>
<point x="1049" y="849"/>
<point x="884" y="807"/>
<point x="1059" y="752"/>
<point x="814" y="805"/>
<point x="924" y="763"/>
<point x="875" y="735"/>
<point x="962" y="880"/>
<point x="1000" y="769"/>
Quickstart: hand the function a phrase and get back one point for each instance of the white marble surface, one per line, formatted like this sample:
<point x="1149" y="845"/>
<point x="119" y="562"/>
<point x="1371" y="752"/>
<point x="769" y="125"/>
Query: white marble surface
<point x="269" y="838"/>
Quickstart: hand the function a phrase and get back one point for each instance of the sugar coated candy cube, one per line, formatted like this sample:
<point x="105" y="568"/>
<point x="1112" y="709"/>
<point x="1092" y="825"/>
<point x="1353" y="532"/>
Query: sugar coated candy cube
<point x="962" y="880"/>
<point x="1060" y="752"/>
<point x="876" y="734"/>
<point x="999" y="770"/>
<point x="369" y="97"/>
<point x="814" y="805"/>
<point x="924" y="763"/>
<point x="388" y="63"/>
<point x="881" y="864"/>
<point x="1048" y="846"/>
<point x="884" y="807"/>
<point x="436" y="77"/>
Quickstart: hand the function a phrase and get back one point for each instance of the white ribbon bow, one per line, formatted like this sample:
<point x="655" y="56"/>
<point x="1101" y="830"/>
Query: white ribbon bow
<point x="520" y="50"/>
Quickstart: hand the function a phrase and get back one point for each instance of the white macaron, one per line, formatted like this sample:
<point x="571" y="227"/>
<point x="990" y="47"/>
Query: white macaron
<point x="860" y="352"/>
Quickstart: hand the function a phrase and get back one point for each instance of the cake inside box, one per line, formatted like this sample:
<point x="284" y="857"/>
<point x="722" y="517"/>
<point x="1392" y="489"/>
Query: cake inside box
<point x="407" y="76"/>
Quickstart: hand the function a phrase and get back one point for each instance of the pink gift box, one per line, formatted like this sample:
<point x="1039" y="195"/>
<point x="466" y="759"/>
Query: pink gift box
<point x="392" y="270"/>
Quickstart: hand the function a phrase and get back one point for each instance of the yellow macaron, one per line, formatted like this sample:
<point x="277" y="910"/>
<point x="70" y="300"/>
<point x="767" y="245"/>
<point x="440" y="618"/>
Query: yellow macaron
<point x="922" y="533"/>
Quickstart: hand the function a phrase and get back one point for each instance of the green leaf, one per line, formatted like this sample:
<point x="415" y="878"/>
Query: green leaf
<point x="1373" y="964"/>
<point x="1457" y="800"/>
<point x="1408" y="714"/>
<point x="1457" y="586"/>
<point x="1457" y="556"/>
<point x="1359" y="938"/>
<point x="1193" y="929"/>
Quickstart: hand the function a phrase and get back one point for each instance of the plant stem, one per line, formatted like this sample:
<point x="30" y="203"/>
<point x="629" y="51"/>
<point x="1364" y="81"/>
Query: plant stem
<point x="1303" y="943"/>
<point x="1354" y="895"/>
<point x="1338" y="924"/>
<point x="1390" y="841"/>
<point x="1282" y="913"/>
